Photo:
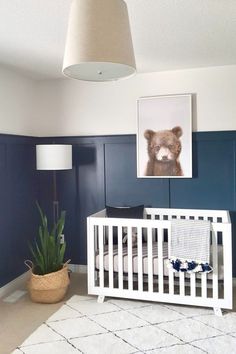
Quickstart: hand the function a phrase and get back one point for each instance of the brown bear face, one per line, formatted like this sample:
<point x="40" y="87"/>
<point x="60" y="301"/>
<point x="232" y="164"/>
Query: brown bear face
<point x="164" y="145"/>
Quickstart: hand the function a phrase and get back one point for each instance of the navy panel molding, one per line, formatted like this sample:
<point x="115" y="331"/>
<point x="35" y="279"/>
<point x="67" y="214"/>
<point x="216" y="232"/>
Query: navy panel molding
<point x="123" y="188"/>
<point x="18" y="190"/>
<point x="89" y="164"/>
<point x="213" y="179"/>
<point x="104" y="172"/>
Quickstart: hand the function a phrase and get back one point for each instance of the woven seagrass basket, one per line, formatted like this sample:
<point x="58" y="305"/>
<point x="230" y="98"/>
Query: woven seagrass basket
<point x="49" y="288"/>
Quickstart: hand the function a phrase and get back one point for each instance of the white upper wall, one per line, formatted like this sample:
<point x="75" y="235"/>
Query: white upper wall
<point x="70" y="107"/>
<point x="17" y="103"/>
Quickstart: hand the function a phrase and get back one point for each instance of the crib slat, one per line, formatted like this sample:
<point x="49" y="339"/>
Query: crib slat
<point x="153" y="230"/>
<point x="171" y="282"/>
<point x="171" y="273"/>
<point x="140" y="259"/>
<point x="181" y="274"/>
<point x="227" y="263"/>
<point x="193" y="285"/>
<point x="204" y="284"/>
<point x="160" y="260"/>
<point x="150" y="262"/>
<point x="182" y="285"/>
<point x="130" y="259"/>
<point x="101" y="257"/>
<point x="96" y="237"/>
<point x="215" y="265"/>
<point x="91" y="254"/>
<point x="120" y="258"/>
<point x="110" y="242"/>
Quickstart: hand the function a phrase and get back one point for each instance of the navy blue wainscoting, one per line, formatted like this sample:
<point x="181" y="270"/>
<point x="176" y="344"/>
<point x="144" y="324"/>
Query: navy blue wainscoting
<point x="122" y="185"/>
<point x="18" y="191"/>
<point x="104" y="172"/>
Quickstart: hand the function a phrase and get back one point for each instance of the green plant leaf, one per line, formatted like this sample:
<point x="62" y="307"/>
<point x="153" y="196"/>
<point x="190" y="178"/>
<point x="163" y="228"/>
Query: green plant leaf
<point x="47" y="252"/>
<point x="62" y="253"/>
<point x="39" y="258"/>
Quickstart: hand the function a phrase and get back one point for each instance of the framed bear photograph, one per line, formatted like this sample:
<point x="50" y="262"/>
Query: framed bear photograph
<point x="164" y="137"/>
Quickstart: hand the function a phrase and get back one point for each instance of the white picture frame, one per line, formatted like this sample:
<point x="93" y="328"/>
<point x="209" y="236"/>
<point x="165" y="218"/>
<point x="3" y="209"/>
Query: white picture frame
<point x="164" y="136"/>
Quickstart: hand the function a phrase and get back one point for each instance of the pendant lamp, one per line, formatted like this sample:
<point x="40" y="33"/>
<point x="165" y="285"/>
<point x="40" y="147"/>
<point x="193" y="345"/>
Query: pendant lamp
<point x="99" y="44"/>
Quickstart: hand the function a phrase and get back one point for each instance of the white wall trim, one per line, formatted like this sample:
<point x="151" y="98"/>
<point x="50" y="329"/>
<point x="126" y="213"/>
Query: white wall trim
<point x="15" y="284"/>
<point x="78" y="268"/>
<point x="20" y="281"/>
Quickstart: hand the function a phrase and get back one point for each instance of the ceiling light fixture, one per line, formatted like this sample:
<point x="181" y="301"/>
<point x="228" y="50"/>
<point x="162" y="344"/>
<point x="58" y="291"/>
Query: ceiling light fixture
<point x="99" y="44"/>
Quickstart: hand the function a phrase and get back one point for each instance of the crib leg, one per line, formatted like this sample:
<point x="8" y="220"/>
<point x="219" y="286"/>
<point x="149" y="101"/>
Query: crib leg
<point x="218" y="311"/>
<point x="100" y="299"/>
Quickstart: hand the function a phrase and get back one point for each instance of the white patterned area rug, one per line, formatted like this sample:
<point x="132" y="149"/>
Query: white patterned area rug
<point x="119" y="326"/>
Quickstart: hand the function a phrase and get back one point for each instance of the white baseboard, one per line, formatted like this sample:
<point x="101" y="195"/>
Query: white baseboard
<point x="20" y="281"/>
<point x="15" y="284"/>
<point x="78" y="268"/>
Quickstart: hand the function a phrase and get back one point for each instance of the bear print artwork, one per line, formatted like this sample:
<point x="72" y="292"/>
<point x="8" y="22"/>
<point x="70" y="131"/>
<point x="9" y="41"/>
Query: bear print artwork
<point x="164" y="148"/>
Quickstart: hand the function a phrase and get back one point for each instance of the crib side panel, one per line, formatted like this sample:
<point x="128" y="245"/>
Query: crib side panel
<point x="122" y="269"/>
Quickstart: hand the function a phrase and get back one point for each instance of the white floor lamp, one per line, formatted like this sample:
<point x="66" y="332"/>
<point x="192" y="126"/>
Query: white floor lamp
<point x="54" y="157"/>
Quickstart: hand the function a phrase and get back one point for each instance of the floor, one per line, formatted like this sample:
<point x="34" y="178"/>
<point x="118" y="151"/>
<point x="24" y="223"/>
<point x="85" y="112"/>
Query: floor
<point x="23" y="317"/>
<point x="183" y="329"/>
<point x="121" y="326"/>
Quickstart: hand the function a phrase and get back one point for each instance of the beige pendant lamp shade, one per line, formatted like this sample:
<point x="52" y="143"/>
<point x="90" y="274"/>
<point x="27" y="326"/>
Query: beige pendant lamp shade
<point x="99" y="44"/>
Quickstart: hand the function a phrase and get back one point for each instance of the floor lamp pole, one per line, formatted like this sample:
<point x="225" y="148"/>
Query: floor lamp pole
<point x="55" y="201"/>
<point x="53" y="157"/>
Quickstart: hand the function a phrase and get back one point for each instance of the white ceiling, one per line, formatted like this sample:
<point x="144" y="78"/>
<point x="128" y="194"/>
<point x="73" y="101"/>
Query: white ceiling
<point x="167" y="34"/>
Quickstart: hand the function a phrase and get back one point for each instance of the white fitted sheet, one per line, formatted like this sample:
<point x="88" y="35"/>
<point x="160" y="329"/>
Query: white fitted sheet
<point x="145" y="260"/>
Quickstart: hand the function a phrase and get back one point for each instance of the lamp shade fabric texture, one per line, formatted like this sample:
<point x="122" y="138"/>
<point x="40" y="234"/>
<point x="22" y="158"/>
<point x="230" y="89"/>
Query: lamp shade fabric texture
<point x="99" y="44"/>
<point x="53" y="157"/>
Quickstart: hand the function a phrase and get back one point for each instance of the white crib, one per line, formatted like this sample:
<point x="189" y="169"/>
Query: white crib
<point x="140" y="272"/>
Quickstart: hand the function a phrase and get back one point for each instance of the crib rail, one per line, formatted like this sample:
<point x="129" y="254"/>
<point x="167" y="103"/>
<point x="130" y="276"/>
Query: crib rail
<point x="140" y="272"/>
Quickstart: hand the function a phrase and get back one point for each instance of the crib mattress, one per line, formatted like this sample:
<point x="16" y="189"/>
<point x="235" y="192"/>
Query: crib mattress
<point x="145" y="260"/>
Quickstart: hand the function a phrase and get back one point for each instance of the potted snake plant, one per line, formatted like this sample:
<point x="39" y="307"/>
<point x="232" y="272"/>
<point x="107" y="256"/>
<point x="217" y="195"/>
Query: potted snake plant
<point x="49" y="278"/>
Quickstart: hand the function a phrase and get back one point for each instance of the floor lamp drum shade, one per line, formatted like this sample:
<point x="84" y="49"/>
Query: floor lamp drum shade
<point x="53" y="157"/>
<point x="99" y="44"/>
